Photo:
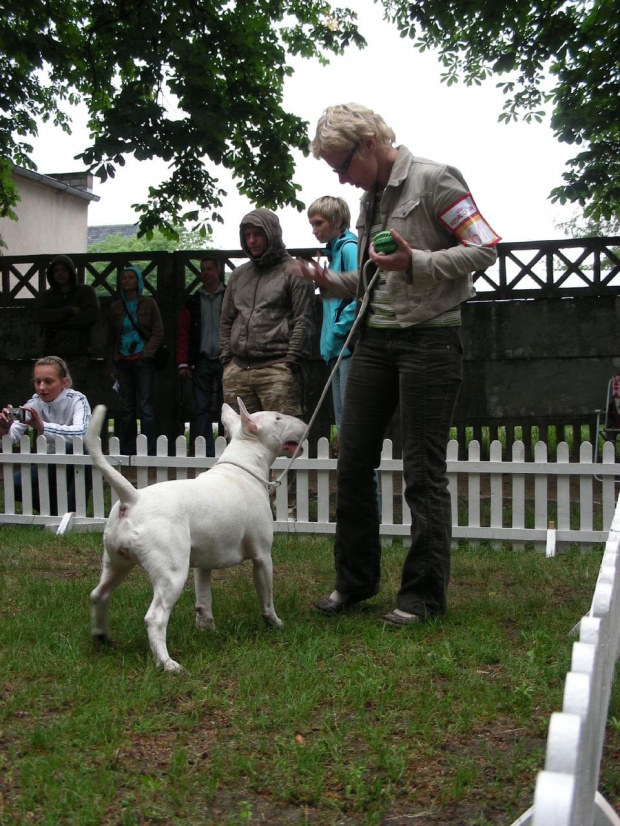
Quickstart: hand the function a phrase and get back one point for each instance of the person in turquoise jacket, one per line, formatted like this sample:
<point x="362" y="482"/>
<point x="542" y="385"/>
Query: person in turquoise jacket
<point x="330" y="219"/>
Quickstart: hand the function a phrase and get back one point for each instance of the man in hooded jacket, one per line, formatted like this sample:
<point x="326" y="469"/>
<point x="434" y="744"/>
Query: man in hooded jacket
<point x="267" y="322"/>
<point x="67" y="313"/>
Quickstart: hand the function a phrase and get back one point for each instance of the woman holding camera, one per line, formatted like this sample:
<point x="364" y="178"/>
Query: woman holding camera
<point x="56" y="409"/>
<point x="135" y="333"/>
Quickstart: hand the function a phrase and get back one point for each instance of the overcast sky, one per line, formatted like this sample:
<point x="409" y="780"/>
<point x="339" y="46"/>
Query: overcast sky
<point x="510" y="168"/>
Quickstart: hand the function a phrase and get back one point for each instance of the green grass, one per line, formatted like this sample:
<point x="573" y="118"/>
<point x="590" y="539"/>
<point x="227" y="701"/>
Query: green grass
<point x="340" y="721"/>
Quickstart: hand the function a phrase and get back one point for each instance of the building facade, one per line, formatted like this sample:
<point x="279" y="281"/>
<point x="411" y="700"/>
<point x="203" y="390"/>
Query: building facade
<point x="52" y="214"/>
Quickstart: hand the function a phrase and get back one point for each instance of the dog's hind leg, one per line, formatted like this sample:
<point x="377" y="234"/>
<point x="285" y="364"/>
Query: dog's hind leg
<point x="262" y="572"/>
<point x="113" y="572"/>
<point x="204" y="610"/>
<point x="167" y="588"/>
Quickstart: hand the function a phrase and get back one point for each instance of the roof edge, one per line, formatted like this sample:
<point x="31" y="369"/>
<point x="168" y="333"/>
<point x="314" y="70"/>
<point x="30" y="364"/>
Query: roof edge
<point x="47" y="180"/>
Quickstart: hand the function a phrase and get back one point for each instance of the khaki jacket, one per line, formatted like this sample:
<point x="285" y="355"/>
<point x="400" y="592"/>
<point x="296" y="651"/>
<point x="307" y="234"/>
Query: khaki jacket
<point x="268" y="311"/>
<point x="418" y="191"/>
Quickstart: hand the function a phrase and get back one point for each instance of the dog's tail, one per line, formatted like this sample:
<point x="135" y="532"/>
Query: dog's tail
<point x="124" y="489"/>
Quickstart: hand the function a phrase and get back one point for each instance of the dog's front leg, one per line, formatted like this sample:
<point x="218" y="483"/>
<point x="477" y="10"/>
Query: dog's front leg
<point x="262" y="572"/>
<point x="204" y="610"/>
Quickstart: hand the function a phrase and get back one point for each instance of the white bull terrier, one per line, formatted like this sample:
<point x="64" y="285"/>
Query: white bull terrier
<point x="219" y="519"/>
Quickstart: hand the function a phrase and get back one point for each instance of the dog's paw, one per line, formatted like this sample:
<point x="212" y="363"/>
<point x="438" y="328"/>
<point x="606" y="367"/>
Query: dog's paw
<point x="204" y="622"/>
<point x="273" y="621"/>
<point x="172" y="667"/>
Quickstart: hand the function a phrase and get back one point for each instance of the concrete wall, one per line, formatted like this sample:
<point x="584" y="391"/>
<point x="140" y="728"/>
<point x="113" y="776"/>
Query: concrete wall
<point x="544" y="359"/>
<point x="50" y="220"/>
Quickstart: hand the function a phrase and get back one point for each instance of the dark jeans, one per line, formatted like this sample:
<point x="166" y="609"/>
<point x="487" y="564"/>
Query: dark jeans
<point x="17" y="482"/>
<point x="420" y="369"/>
<point x="207" y="380"/>
<point x="136" y="379"/>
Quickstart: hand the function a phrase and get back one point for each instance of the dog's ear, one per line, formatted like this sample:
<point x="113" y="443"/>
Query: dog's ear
<point x="230" y="420"/>
<point x="247" y="423"/>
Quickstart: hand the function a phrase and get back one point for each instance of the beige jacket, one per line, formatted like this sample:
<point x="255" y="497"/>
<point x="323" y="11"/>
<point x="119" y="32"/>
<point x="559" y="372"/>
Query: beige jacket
<point x="418" y="191"/>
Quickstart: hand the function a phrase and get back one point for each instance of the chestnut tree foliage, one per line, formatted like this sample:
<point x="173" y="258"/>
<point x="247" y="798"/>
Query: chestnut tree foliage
<point x="560" y="54"/>
<point x="197" y="83"/>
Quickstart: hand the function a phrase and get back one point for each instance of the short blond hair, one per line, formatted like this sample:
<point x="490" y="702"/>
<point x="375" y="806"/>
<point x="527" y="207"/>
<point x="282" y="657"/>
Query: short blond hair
<point x="335" y="210"/>
<point x="343" y="126"/>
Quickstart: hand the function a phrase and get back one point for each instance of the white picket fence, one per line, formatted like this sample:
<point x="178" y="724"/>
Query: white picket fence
<point x="566" y="791"/>
<point x="495" y="499"/>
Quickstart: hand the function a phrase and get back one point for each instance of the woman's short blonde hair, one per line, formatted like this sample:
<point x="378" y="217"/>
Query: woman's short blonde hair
<point x="341" y="127"/>
<point x="58" y="363"/>
<point x="335" y="210"/>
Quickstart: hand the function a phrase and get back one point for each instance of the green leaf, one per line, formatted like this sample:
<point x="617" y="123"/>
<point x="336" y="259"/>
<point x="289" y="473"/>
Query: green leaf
<point x="219" y="66"/>
<point x="563" y="54"/>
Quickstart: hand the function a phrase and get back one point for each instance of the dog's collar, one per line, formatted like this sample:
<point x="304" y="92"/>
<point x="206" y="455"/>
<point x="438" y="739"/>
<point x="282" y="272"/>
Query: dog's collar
<point x="266" y="482"/>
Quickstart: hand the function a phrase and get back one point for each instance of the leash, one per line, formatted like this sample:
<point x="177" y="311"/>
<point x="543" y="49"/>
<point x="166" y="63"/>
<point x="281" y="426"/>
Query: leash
<point x="328" y="384"/>
<point x="352" y="331"/>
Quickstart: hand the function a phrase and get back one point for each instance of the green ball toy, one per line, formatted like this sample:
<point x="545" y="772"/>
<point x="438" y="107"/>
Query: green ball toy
<point x="384" y="243"/>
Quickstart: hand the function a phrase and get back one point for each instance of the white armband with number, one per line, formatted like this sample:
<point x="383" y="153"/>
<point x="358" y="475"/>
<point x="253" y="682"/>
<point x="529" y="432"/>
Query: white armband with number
<point x="463" y="219"/>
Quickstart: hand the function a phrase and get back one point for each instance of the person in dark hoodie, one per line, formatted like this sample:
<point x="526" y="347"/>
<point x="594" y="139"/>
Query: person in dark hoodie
<point x="135" y="333"/>
<point x="67" y="313"/>
<point x="267" y="322"/>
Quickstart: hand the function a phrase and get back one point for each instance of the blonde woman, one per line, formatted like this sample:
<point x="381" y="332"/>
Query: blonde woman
<point x="55" y="409"/>
<point x="409" y="354"/>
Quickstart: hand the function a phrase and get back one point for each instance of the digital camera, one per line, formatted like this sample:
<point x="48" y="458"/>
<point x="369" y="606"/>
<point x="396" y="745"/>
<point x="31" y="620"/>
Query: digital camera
<point x="17" y="415"/>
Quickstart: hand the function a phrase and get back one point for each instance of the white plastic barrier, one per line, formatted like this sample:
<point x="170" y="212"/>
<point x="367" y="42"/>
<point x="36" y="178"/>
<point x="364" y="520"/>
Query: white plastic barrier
<point x="567" y="789"/>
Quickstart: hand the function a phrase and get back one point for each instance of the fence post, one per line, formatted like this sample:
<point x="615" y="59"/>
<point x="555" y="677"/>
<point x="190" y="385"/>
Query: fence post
<point x="541" y="489"/>
<point x="473" y="487"/>
<point x="518" y="493"/>
<point x="322" y="482"/>
<point x="452" y="456"/>
<point x="586" y="493"/>
<point x="496" y="484"/>
<point x="563" y="489"/>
